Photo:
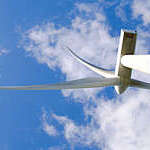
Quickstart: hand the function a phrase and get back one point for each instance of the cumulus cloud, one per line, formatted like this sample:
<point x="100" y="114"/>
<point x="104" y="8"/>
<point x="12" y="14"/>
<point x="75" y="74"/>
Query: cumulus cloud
<point x="47" y="127"/>
<point x="3" y="51"/>
<point x="142" y="9"/>
<point x="88" y="37"/>
<point x="122" y="124"/>
<point x="120" y="10"/>
<point x="56" y="148"/>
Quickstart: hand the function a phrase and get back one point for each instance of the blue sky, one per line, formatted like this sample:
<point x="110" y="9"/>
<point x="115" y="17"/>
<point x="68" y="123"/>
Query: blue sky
<point x="32" y="34"/>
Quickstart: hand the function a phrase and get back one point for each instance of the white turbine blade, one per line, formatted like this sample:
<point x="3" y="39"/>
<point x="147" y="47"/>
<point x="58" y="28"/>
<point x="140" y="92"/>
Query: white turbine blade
<point x="139" y="84"/>
<point x="101" y="71"/>
<point x="137" y="62"/>
<point x="75" y="84"/>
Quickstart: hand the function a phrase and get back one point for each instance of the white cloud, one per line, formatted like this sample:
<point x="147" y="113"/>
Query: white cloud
<point x="3" y="51"/>
<point x="47" y="127"/>
<point x="122" y="124"/>
<point x="88" y="37"/>
<point x="125" y="124"/>
<point x="91" y="10"/>
<point x="56" y="148"/>
<point x="120" y="10"/>
<point x="142" y="9"/>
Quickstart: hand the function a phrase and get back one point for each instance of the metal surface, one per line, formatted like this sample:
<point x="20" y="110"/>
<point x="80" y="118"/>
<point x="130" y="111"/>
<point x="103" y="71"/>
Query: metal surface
<point x="101" y="71"/>
<point x="126" y="47"/>
<point x="75" y="84"/>
<point x="137" y="62"/>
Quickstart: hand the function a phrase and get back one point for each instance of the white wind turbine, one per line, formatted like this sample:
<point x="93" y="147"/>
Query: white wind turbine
<point x="120" y="78"/>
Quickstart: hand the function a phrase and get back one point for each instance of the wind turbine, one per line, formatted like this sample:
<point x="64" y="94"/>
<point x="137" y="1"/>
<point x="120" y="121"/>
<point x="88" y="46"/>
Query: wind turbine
<point x="120" y="78"/>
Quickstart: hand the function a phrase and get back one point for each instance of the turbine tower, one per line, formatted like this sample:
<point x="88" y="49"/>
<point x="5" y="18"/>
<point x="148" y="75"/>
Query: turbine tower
<point x="120" y="78"/>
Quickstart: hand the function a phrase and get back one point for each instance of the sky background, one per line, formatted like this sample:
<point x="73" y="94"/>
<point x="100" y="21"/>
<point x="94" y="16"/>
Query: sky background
<point x="32" y="36"/>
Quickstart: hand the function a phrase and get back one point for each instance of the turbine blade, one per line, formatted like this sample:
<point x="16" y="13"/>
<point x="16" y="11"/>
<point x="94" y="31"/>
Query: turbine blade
<point x="75" y="84"/>
<point x="137" y="62"/>
<point x="101" y="71"/>
<point x="139" y="84"/>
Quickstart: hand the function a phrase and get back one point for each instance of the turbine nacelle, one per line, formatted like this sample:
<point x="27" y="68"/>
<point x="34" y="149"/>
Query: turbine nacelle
<point x="126" y="46"/>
